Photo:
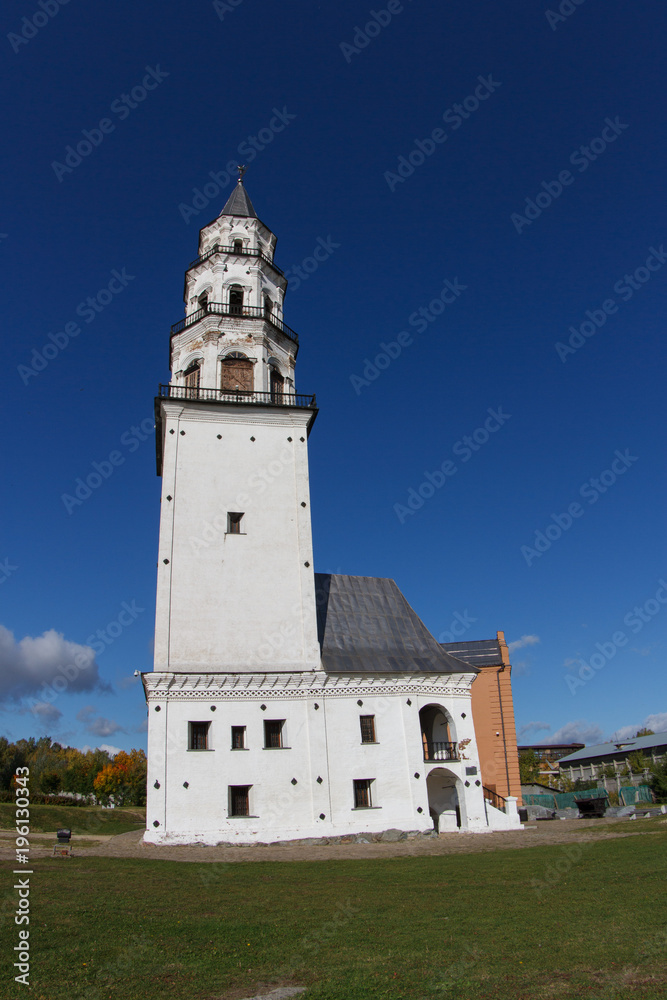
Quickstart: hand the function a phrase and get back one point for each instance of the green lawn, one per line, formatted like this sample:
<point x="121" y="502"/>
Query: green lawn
<point x="569" y="922"/>
<point x="79" y="819"/>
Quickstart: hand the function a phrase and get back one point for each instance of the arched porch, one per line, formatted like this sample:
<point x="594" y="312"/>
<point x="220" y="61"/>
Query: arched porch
<point x="444" y="799"/>
<point x="438" y="734"/>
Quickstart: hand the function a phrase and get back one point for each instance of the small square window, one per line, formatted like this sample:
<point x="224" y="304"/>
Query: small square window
<point x="362" y="793"/>
<point x="198" y="735"/>
<point x="239" y="800"/>
<point x="367" y="723"/>
<point x="234" y="523"/>
<point x="273" y="733"/>
<point x="238" y="737"/>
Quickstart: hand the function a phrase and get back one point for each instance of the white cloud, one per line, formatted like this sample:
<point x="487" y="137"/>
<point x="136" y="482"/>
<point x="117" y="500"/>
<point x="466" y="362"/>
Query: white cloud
<point x="624" y="733"/>
<point x="97" y="725"/>
<point x="657" y="722"/>
<point x="48" y="660"/>
<point x="45" y="712"/>
<point x="111" y="750"/>
<point x="532" y="727"/>
<point x="525" y="640"/>
<point x="577" y="732"/>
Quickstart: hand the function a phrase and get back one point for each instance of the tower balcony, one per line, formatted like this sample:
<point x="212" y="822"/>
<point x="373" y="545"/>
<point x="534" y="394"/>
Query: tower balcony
<point x="236" y="312"/>
<point x="244" y="398"/>
<point x="234" y="252"/>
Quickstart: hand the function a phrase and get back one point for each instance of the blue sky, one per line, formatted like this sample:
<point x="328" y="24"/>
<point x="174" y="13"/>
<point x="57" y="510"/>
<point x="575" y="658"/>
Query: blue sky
<point x="489" y="184"/>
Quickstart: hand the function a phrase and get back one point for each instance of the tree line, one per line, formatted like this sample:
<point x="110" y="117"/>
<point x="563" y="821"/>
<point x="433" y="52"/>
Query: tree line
<point x="57" y="770"/>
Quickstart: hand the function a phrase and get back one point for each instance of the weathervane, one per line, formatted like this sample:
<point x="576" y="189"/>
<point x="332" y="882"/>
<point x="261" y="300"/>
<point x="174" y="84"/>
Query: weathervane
<point x="241" y="170"/>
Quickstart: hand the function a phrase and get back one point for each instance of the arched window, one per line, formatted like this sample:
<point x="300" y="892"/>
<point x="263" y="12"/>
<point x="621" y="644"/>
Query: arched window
<point x="268" y="305"/>
<point x="236" y="375"/>
<point x="277" y="386"/>
<point x="202" y="301"/>
<point x="236" y="300"/>
<point x="191" y="379"/>
<point x="238" y="246"/>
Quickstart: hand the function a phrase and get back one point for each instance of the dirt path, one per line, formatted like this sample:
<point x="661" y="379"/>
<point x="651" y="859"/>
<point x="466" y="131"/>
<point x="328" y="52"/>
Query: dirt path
<point x="130" y="845"/>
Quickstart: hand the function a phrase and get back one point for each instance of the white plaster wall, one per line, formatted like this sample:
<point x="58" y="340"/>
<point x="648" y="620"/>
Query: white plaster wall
<point x="235" y="602"/>
<point x="323" y="741"/>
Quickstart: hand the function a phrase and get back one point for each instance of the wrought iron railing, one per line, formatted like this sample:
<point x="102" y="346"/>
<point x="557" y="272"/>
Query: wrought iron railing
<point x="225" y="396"/>
<point x="441" y="751"/>
<point x="243" y="252"/>
<point x="240" y="312"/>
<point x="496" y="800"/>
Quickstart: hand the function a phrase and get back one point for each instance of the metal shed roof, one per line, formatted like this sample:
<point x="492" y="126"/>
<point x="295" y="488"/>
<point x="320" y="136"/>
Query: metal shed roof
<point x="618" y="747"/>
<point x="482" y="653"/>
<point x="366" y="626"/>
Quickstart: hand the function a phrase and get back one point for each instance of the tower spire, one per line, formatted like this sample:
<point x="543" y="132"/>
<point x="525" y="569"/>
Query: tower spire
<point x="238" y="202"/>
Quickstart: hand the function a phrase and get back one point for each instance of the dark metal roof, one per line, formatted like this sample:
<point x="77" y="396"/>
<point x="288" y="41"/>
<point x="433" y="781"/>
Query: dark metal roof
<point x="366" y="626"/>
<point x="482" y="653"/>
<point x="239" y="203"/>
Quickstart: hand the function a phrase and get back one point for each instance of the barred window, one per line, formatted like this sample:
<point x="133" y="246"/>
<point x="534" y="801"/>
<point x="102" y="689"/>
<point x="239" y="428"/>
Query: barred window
<point x="367" y="723"/>
<point x="198" y="735"/>
<point x="239" y="800"/>
<point x="273" y="733"/>
<point x="238" y="737"/>
<point x="362" y="793"/>
<point x="234" y="519"/>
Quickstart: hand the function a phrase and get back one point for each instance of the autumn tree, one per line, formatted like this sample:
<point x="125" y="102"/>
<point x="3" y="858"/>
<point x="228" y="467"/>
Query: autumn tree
<point x="123" y="780"/>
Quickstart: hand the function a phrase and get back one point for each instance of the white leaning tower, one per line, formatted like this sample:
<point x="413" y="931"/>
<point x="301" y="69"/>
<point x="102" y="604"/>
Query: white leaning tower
<point x="274" y="714"/>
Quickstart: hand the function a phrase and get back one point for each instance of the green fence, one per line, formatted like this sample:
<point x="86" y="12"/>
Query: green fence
<point x="630" y="795"/>
<point x="563" y="800"/>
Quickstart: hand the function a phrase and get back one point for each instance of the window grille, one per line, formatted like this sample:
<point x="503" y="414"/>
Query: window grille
<point x="273" y="733"/>
<point x="199" y="735"/>
<point x="367" y="723"/>
<point x="239" y="800"/>
<point x="362" y="793"/>
<point x="234" y="519"/>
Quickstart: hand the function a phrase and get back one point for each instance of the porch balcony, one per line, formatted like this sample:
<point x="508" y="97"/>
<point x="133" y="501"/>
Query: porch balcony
<point x="440" y="751"/>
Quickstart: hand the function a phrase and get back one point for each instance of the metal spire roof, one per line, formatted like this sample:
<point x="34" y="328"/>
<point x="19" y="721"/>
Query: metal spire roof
<point x="239" y="203"/>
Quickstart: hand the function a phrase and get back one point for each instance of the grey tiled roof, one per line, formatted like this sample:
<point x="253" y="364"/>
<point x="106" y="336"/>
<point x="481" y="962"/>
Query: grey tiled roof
<point x="239" y="203"/>
<point x="483" y="653"/>
<point x="366" y="626"/>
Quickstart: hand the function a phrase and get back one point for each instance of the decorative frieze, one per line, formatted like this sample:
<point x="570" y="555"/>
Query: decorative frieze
<point x="230" y="687"/>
